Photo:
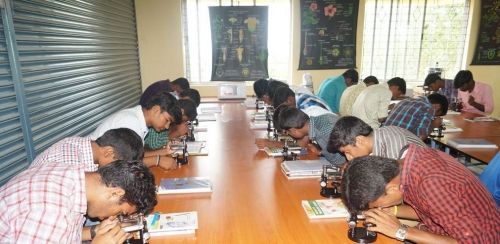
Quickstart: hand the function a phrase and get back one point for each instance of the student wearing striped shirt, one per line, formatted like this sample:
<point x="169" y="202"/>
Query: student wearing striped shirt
<point x="355" y="138"/>
<point x="310" y="104"/>
<point x="447" y="199"/>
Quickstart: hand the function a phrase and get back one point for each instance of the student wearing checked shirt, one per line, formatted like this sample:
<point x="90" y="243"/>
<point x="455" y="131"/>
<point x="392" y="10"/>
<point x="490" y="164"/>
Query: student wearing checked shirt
<point x="449" y="201"/>
<point x="47" y="203"/>
<point x="419" y="115"/>
<point x="310" y="130"/>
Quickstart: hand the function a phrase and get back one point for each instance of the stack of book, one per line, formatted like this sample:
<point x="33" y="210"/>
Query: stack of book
<point x="278" y="151"/>
<point x="302" y="169"/>
<point x="184" y="223"/>
<point x="184" y="185"/>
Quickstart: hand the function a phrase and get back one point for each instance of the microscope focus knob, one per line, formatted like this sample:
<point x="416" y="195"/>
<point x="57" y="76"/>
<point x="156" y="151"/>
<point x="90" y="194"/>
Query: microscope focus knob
<point x="322" y="183"/>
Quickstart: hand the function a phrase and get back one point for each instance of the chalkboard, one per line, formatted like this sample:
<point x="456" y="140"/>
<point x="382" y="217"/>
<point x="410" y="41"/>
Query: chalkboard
<point x="328" y="34"/>
<point x="239" y="42"/>
<point x="488" y="40"/>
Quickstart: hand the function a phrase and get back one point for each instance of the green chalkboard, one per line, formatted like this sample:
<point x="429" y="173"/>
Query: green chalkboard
<point x="328" y="34"/>
<point x="488" y="40"/>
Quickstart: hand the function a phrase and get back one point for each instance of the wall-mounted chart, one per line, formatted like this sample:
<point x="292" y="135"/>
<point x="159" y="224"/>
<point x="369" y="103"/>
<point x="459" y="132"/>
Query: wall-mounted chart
<point x="488" y="41"/>
<point x="328" y="34"/>
<point x="239" y="42"/>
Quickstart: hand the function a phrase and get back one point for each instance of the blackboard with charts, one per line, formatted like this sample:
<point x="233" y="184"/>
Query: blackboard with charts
<point x="328" y="34"/>
<point x="488" y="40"/>
<point x="239" y="42"/>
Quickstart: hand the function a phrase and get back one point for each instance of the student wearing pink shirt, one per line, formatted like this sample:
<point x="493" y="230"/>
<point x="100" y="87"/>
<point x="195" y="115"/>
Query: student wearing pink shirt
<point x="476" y="97"/>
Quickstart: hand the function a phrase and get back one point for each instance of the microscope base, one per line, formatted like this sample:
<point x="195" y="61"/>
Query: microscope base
<point x="361" y="235"/>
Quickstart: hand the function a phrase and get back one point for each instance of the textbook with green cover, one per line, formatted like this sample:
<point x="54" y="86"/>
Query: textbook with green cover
<point x="172" y="223"/>
<point x="325" y="208"/>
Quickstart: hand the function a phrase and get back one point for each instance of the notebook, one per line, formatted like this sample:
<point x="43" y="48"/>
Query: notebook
<point x="184" y="185"/>
<point x="471" y="143"/>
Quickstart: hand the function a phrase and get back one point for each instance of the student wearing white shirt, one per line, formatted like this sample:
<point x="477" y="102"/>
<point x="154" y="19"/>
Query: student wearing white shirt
<point x="372" y="104"/>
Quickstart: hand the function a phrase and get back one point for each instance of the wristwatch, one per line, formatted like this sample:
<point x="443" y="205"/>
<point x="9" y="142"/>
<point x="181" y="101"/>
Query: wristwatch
<point x="401" y="232"/>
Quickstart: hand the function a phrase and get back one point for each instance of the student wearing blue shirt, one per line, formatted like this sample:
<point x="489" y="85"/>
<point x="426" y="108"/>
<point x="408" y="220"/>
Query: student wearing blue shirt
<point x="332" y="88"/>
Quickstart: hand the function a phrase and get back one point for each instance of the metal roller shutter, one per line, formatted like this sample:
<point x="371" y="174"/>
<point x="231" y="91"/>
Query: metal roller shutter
<point x="79" y="62"/>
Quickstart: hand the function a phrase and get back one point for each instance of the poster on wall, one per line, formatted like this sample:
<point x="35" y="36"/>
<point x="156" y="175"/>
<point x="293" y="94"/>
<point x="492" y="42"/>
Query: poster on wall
<point x="239" y="42"/>
<point x="328" y="34"/>
<point x="488" y="41"/>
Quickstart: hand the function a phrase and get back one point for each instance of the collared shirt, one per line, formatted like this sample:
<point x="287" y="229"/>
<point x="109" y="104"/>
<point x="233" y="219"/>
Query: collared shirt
<point x="320" y="128"/>
<point x="132" y="118"/>
<point x="304" y="101"/>
<point x="156" y="140"/>
<point x="389" y="140"/>
<point x="331" y="90"/>
<point x="44" y="204"/>
<point x="448" y="198"/>
<point x="71" y="150"/>
<point x="349" y="97"/>
<point x="372" y="104"/>
<point x="413" y="114"/>
<point x="482" y="94"/>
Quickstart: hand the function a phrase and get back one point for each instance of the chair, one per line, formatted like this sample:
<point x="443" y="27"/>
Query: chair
<point x="491" y="178"/>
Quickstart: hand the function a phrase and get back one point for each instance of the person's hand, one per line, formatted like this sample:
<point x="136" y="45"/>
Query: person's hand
<point x="167" y="163"/>
<point x="436" y="123"/>
<point x="112" y="234"/>
<point x="385" y="222"/>
<point x="165" y="151"/>
<point x="107" y="224"/>
<point x="313" y="149"/>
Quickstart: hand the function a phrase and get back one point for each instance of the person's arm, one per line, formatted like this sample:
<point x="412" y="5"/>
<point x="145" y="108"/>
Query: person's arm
<point x="162" y="152"/>
<point x="112" y="234"/>
<point x="403" y="211"/>
<point x="473" y="103"/>
<point x="387" y="224"/>
<point x="164" y="162"/>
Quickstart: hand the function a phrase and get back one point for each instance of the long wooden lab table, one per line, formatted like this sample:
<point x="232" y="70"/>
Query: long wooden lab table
<point x="486" y="130"/>
<point x="252" y="201"/>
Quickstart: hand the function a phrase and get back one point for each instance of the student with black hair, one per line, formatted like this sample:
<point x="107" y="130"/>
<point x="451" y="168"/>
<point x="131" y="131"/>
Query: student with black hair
<point x="476" y="97"/>
<point x="435" y="84"/>
<point x="370" y="80"/>
<point x="312" y="132"/>
<point x="419" y="115"/>
<point x="397" y="85"/>
<point x="179" y="85"/>
<point x="332" y="88"/>
<point x="192" y="94"/>
<point x="47" y="203"/>
<point x="429" y="186"/>
<point x="354" y="138"/>
<point x="310" y="104"/>
<point x="260" y="87"/>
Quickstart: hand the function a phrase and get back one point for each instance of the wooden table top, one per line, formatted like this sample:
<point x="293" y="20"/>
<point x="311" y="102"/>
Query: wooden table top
<point x="486" y="130"/>
<point x="251" y="202"/>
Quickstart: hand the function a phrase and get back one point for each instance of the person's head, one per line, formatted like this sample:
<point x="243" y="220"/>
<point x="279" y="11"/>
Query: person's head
<point x="397" y="86"/>
<point x="434" y="82"/>
<point x="276" y="116"/>
<point x="293" y="121"/>
<point x="122" y="187"/>
<point x="161" y="110"/>
<point x="260" y="87"/>
<point x="284" y="95"/>
<point x="439" y="104"/>
<point x="370" y="80"/>
<point x="351" y="77"/>
<point x="371" y="182"/>
<point x="161" y="85"/>
<point x="188" y="108"/>
<point x="352" y="137"/>
<point x="464" y="81"/>
<point x="192" y="94"/>
<point x="180" y="84"/>
<point x="273" y="87"/>
<point x="118" y="144"/>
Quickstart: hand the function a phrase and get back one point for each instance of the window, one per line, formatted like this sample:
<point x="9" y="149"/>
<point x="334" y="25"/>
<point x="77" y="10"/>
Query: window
<point x="407" y="37"/>
<point x="198" y="45"/>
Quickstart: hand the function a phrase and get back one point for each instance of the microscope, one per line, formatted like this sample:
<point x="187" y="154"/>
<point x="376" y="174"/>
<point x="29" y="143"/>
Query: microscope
<point x="182" y="158"/>
<point x="332" y="175"/>
<point x="288" y="155"/>
<point x="438" y="132"/>
<point x="190" y="135"/>
<point x="269" y="119"/>
<point x="360" y="234"/>
<point x="136" y="225"/>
